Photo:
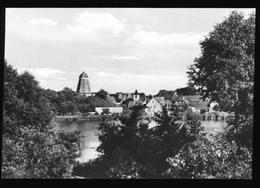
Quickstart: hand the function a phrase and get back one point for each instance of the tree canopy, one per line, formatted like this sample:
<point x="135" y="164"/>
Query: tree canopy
<point x="186" y="91"/>
<point x="224" y="72"/>
<point x="31" y="147"/>
<point x="225" y="69"/>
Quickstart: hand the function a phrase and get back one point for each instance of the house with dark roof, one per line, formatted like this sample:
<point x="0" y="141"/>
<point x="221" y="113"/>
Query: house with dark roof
<point x="136" y="96"/>
<point x="194" y="102"/>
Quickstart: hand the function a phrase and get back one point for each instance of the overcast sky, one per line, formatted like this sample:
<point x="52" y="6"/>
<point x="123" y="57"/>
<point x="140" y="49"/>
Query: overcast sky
<point x="121" y="49"/>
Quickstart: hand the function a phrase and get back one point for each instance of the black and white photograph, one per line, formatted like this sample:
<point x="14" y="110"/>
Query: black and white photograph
<point x="128" y="93"/>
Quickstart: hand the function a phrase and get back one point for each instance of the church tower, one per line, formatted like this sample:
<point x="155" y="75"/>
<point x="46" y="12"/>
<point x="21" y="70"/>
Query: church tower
<point x="83" y="85"/>
<point x="136" y="96"/>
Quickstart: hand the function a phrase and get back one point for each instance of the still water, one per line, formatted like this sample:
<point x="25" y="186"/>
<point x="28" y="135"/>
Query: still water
<point x="89" y="139"/>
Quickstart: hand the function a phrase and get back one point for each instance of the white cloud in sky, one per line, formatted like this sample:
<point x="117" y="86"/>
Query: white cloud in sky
<point x="47" y="73"/>
<point x="43" y="21"/>
<point x="152" y="38"/>
<point x="86" y="27"/>
<point x="92" y="23"/>
<point x="125" y="82"/>
<point x="100" y="28"/>
<point x="120" y="57"/>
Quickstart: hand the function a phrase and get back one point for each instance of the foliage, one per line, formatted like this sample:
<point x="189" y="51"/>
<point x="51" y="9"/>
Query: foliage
<point x="105" y="111"/>
<point x="213" y="157"/>
<point x="133" y="150"/>
<point x="102" y="94"/>
<point x="31" y="147"/>
<point x="164" y="93"/>
<point x="216" y="107"/>
<point x="203" y="111"/>
<point x="186" y="91"/>
<point x="68" y="101"/>
<point x="224" y="71"/>
<point x="243" y="133"/>
<point x="226" y="65"/>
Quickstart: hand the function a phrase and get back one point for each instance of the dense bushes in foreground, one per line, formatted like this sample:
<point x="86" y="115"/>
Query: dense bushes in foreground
<point x="172" y="149"/>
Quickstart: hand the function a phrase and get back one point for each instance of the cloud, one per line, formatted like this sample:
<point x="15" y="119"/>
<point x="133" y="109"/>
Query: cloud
<point x="43" y="21"/>
<point x="120" y="57"/>
<point x="86" y="27"/>
<point x="103" y="30"/>
<point x="127" y="58"/>
<point x="92" y="23"/>
<point x="151" y="38"/>
<point x="48" y="73"/>
<point x="129" y="82"/>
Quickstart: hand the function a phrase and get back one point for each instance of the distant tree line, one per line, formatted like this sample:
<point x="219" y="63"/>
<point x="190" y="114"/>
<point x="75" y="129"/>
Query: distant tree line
<point x="68" y="101"/>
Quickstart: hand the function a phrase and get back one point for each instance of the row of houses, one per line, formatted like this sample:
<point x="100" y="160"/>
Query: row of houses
<point x="124" y="101"/>
<point x="154" y="104"/>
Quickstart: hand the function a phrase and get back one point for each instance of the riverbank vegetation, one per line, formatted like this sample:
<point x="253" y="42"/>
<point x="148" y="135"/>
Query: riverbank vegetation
<point x="69" y="102"/>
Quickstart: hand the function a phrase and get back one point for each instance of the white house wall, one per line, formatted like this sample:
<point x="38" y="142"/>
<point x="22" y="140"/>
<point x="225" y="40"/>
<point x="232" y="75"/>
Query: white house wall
<point x="118" y="109"/>
<point x="153" y="106"/>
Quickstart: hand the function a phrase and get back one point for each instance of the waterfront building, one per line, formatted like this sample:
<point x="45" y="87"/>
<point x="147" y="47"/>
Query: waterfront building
<point x="111" y="109"/>
<point x="194" y="102"/>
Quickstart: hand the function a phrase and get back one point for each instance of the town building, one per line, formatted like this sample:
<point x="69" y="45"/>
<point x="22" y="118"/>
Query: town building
<point x="194" y="103"/>
<point x="112" y="110"/>
<point x="154" y="105"/>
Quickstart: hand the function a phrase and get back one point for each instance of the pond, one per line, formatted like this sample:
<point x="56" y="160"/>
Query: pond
<point x="89" y="139"/>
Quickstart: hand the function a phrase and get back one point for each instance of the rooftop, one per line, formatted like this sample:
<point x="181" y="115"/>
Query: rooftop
<point x="83" y="75"/>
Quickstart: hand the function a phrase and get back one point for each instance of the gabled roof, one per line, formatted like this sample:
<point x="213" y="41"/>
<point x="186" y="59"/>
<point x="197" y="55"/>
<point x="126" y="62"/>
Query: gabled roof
<point x="199" y="104"/>
<point x="192" y="97"/>
<point x="112" y="98"/>
<point x="154" y="100"/>
<point x="180" y="98"/>
<point x="134" y="103"/>
<point x="160" y="100"/>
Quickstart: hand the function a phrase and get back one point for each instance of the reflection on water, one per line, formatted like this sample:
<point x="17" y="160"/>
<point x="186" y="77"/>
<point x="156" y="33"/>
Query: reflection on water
<point x="89" y="139"/>
<point x="211" y="125"/>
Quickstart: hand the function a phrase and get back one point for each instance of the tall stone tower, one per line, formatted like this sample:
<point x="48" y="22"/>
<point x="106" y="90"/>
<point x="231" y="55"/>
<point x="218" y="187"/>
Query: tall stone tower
<point x="83" y="85"/>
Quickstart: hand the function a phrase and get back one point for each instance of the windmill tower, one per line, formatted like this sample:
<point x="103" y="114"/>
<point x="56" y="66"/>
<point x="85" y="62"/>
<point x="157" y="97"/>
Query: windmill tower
<point x="83" y="85"/>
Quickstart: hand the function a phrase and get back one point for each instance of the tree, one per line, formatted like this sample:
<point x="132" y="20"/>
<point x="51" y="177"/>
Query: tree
<point x="102" y="94"/>
<point x="105" y="111"/>
<point x="186" y="91"/>
<point x="213" y="157"/>
<point x="216" y="107"/>
<point x="224" y="71"/>
<point x="171" y="135"/>
<point x="31" y="147"/>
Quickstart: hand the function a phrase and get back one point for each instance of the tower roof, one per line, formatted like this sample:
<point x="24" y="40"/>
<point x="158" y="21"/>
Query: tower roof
<point x="83" y="84"/>
<point x="83" y="75"/>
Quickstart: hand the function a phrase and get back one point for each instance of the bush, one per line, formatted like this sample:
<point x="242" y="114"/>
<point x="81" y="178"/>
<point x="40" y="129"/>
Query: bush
<point x="212" y="158"/>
